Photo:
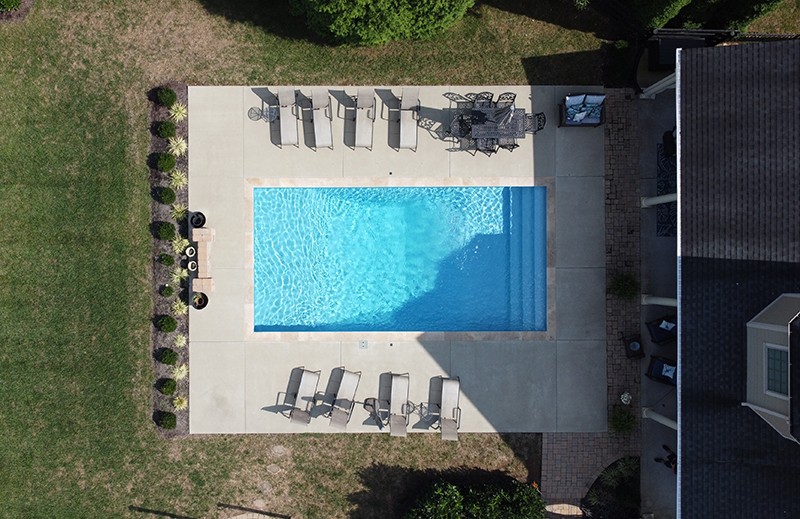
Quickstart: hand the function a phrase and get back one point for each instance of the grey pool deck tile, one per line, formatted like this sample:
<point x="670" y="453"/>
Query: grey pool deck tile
<point x="510" y="381"/>
<point x="581" y="368"/>
<point x="580" y="303"/>
<point x="216" y="144"/>
<point x="510" y="385"/>
<point x="580" y="200"/>
<point x="217" y="389"/>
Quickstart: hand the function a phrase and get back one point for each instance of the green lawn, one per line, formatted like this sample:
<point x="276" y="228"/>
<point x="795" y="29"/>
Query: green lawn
<point x="75" y="361"/>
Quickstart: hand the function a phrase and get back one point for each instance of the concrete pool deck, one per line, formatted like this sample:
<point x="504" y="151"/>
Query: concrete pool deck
<point x="511" y="382"/>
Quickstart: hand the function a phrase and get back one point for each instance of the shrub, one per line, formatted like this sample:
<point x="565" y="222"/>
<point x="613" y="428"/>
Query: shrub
<point x="179" y="307"/>
<point x="177" y="179"/>
<point x="622" y="420"/>
<point x="178" y="112"/>
<point x="165" y="231"/>
<point x="180" y="341"/>
<point x="178" y="274"/>
<point x="9" y="5"/>
<point x="165" y="195"/>
<point x="656" y="13"/>
<point x="166" y="96"/>
<point x="379" y="21"/>
<point x="624" y="286"/>
<point x="180" y="372"/>
<point x="167" y="356"/>
<point x="167" y="324"/>
<point x="178" y="211"/>
<point x="166" y="259"/>
<point x="515" y="501"/>
<point x="615" y="493"/>
<point x="179" y="244"/>
<point x="165" y="162"/>
<point x="166" y="420"/>
<point x="180" y="403"/>
<point x="166" y="129"/>
<point x="167" y="386"/>
<point x="176" y="146"/>
<point x="167" y="291"/>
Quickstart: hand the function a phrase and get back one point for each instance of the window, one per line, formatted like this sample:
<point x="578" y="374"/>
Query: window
<point x="777" y="370"/>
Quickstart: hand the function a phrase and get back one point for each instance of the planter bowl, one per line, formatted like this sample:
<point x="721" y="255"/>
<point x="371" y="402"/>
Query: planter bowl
<point x="199" y="300"/>
<point x="190" y="252"/>
<point x="192" y="266"/>
<point x="197" y="219"/>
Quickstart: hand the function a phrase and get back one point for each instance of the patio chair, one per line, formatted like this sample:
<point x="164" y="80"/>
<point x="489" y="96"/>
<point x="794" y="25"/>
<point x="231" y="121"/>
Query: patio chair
<point x="506" y="99"/>
<point x="484" y="100"/>
<point x="534" y="122"/>
<point x="365" y="117"/>
<point x="664" y="329"/>
<point x="344" y="400"/>
<point x="507" y="143"/>
<point x="409" y="114"/>
<point x="449" y="411"/>
<point x="487" y="146"/>
<point x="287" y="113"/>
<point x="321" y="114"/>
<point x="399" y="406"/>
<point x="662" y="369"/>
<point x="305" y="398"/>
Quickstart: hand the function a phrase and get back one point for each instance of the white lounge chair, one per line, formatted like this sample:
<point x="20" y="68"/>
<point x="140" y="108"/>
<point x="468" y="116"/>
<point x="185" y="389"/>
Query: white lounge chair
<point x="344" y="401"/>
<point x="321" y="114"/>
<point x="450" y="417"/>
<point x="399" y="408"/>
<point x="287" y="113"/>
<point x="305" y="398"/>
<point x="365" y="117"/>
<point x="409" y="114"/>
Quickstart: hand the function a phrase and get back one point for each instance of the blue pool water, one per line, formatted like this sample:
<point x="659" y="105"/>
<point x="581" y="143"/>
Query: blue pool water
<point x="400" y="259"/>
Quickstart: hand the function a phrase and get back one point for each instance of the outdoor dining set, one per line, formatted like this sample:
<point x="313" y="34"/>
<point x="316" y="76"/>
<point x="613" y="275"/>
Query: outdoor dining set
<point x="479" y="122"/>
<point x="391" y="407"/>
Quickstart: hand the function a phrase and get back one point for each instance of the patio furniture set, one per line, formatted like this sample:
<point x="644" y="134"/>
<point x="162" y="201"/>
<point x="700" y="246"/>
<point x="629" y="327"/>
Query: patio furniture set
<point x="662" y="331"/>
<point x="487" y="125"/>
<point x="392" y="406"/>
<point x="483" y="124"/>
<point x="364" y="105"/>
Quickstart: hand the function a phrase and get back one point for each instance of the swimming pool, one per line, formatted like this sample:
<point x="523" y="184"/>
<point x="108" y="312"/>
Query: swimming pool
<point x="400" y="259"/>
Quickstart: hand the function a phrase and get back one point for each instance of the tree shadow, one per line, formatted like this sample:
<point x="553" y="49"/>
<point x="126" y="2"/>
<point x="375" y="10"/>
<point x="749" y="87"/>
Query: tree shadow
<point x="275" y="17"/>
<point x="594" y="19"/>
<point x="392" y="491"/>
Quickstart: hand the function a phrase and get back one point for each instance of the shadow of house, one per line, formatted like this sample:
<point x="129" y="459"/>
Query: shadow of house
<point x="392" y="491"/>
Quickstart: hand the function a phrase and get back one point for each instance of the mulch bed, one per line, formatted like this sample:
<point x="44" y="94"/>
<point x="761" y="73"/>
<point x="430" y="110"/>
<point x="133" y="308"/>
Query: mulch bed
<point x="161" y="273"/>
<point x="17" y="15"/>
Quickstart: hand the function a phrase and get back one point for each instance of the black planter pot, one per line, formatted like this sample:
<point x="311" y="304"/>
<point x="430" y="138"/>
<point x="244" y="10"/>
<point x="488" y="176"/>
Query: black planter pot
<point x="197" y="219"/>
<point x="199" y="300"/>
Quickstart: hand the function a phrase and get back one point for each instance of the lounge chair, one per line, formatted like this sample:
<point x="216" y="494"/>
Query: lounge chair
<point x="399" y="407"/>
<point x="321" y="113"/>
<point x="409" y="114"/>
<point x="305" y="398"/>
<point x="450" y="412"/>
<point x="344" y="401"/>
<point x="365" y="117"/>
<point x="288" y="115"/>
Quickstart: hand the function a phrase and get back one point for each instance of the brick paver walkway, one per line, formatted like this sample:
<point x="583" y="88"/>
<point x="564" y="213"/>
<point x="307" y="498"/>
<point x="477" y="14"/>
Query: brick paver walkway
<point x="572" y="461"/>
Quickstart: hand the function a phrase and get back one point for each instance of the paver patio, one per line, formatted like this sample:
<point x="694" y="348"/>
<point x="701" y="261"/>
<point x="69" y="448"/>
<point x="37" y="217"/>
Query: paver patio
<point x="511" y="382"/>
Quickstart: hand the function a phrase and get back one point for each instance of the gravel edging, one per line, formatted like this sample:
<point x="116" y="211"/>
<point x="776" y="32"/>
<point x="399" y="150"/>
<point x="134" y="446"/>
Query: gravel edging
<point x="161" y="273"/>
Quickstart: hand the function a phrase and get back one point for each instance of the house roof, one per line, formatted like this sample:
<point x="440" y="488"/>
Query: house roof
<point x="740" y="129"/>
<point x="739" y="183"/>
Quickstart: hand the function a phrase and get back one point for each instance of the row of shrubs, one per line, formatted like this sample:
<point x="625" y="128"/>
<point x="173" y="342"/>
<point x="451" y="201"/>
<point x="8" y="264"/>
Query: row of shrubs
<point x="167" y="231"/>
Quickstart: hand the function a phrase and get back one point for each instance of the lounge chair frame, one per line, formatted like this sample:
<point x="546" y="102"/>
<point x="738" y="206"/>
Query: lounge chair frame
<point x="287" y="113"/>
<point x="345" y="399"/>
<point x="323" y="119"/>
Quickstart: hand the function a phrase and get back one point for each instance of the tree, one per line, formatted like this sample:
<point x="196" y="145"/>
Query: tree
<point x="374" y="22"/>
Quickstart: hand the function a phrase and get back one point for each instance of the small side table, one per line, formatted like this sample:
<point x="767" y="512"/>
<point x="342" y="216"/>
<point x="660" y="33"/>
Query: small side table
<point x="633" y="347"/>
